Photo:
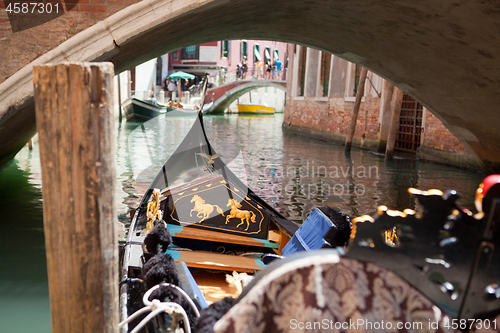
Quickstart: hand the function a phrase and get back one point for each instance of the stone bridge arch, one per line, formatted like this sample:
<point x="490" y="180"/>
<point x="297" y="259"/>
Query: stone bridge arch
<point x="445" y="54"/>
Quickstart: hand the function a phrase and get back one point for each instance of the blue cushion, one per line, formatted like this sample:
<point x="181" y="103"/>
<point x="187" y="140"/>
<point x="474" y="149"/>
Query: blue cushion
<point x="310" y="234"/>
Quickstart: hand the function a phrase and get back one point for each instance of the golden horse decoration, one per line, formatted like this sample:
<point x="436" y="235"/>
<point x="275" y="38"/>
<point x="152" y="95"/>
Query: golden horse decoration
<point x="203" y="208"/>
<point x="153" y="211"/>
<point x="240" y="214"/>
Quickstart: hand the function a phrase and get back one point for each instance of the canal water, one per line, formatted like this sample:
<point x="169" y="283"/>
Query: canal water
<point x="293" y="173"/>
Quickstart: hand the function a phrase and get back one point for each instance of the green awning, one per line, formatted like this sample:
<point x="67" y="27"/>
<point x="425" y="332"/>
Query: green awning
<point x="256" y="52"/>
<point x="276" y="55"/>
<point x="181" y="75"/>
<point x="267" y="54"/>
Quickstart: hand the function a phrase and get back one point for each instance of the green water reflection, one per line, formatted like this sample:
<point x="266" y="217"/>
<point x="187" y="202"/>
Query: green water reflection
<point x="24" y="301"/>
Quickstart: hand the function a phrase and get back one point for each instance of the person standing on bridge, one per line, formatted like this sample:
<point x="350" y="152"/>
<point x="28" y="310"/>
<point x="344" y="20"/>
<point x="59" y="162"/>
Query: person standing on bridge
<point x="268" y="69"/>
<point x="244" y="67"/>
<point x="238" y="71"/>
<point x="260" y="67"/>
<point x="279" y="67"/>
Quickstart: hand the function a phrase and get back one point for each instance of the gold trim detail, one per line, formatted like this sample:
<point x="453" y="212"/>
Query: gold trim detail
<point x="235" y="194"/>
<point x="200" y="207"/>
<point x="391" y="238"/>
<point x="243" y="215"/>
<point x="153" y="212"/>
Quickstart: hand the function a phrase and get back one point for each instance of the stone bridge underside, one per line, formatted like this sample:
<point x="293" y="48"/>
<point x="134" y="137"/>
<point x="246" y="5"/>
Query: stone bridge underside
<point x="443" y="53"/>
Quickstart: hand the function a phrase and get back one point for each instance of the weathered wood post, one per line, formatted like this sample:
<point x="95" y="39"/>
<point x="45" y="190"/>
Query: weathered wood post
<point x="119" y="99"/>
<point x="74" y="115"/>
<point x="385" y="112"/>
<point x="355" y="111"/>
<point x="397" y="101"/>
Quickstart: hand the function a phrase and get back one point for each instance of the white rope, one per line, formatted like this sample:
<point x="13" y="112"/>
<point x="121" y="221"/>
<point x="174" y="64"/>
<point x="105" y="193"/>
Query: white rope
<point x="133" y="316"/>
<point x="168" y="307"/>
<point x="148" y="293"/>
<point x="156" y="307"/>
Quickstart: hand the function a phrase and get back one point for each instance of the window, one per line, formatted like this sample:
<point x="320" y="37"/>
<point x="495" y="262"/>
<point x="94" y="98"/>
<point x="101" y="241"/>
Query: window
<point x="190" y="53"/>
<point x="159" y="68"/>
<point x="174" y="55"/>
<point x="267" y="54"/>
<point x="302" y="70"/>
<point x="225" y="49"/>
<point x="256" y="53"/>
<point x="276" y="55"/>
<point x="356" y="78"/>
<point x="325" y="72"/>
<point x="244" y="49"/>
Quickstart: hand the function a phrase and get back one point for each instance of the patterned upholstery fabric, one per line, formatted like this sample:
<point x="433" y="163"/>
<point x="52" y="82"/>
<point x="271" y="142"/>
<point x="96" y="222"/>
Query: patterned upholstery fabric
<point x="327" y="293"/>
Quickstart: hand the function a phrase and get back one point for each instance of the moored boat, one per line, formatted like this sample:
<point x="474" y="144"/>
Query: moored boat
<point x="255" y="109"/>
<point x="141" y="110"/>
<point x="138" y="109"/>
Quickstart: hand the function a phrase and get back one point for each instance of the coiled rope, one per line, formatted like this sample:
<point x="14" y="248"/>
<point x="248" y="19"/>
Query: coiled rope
<point x="156" y="307"/>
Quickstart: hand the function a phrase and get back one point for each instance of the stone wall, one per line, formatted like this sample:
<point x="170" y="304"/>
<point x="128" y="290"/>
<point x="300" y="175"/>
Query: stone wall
<point x="330" y="119"/>
<point x="441" y="146"/>
<point x="437" y="136"/>
<point x="25" y="37"/>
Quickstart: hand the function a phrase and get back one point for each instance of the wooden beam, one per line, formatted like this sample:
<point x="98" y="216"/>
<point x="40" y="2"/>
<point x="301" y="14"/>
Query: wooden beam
<point x="217" y="261"/>
<point x="385" y="110"/>
<point x="397" y="101"/>
<point x="218" y="237"/>
<point x="355" y="111"/>
<point x="120" y="116"/>
<point x="77" y="140"/>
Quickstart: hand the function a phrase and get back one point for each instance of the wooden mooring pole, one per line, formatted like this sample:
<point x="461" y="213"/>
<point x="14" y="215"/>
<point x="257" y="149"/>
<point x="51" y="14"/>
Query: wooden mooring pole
<point x="119" y="99"/>
<point x="397" y="101"/>
<point x="74" y="116"/>
<point x="355" y="111"/>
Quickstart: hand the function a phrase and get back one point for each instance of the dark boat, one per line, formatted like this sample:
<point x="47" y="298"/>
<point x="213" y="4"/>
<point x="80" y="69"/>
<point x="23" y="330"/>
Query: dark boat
<point x="141" y="110"/>
<point x="138" y="109"/>
<point x="217" y="224"/>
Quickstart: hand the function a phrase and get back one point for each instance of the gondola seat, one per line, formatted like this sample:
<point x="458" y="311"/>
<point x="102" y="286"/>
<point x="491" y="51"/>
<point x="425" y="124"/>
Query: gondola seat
<point x="319" y="291"/>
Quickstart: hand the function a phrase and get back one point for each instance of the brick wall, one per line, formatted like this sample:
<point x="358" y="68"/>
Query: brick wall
<point x="25" y="37"/>
<point x="437" y="136"/>
<point x="334" y="116"/>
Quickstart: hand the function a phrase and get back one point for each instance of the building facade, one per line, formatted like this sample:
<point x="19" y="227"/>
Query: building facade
<point x="321" y="90"/>
<point x="220" y="59"/>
